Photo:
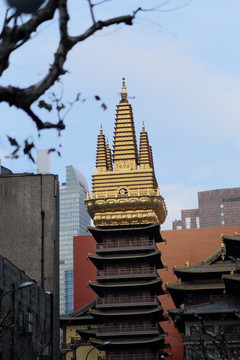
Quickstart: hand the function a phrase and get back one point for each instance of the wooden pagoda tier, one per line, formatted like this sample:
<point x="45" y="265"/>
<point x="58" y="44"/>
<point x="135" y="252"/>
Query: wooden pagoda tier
<point x="128" y="310"/>
<point x="197" y="282"/>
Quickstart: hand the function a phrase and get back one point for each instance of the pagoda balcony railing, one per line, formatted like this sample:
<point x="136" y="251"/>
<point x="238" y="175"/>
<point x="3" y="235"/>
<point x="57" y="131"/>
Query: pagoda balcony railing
<point x="127" y="300"/>
<point x="130" y="193"/>
<point x="128" y="329"/>
<point x="119" y="244"/>
<point x="123" y="273"/>
<point x="130" y="357"/>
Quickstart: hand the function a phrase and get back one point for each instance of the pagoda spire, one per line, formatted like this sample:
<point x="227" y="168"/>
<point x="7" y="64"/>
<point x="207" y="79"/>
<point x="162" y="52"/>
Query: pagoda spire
<point x="145" y="153"/>
<point x="101" y="159"/>
<point x="109" y="158"/>
<point x="124" y="92"/>
<point x="125" y="154"/>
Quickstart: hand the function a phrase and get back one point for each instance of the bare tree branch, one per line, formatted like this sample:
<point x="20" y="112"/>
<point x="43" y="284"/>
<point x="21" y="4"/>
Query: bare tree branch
<point x="15" y="33"/>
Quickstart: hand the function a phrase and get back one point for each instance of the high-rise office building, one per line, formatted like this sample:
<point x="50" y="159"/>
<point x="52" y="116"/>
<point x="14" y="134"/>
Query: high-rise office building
<point x="74" y="220"/>
<point x="220" y="207"/>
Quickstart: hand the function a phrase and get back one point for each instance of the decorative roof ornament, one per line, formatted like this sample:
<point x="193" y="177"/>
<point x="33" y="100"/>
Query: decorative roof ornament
<point x="101" y="158"/>
<point x="124" y="92"/>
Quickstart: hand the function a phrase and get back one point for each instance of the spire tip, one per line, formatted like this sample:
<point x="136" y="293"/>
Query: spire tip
<point x="124" y="92"/>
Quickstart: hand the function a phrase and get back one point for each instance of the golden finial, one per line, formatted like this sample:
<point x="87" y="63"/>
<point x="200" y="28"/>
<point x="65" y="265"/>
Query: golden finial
<point x="235" y="233"/>
<point x="124" y="92"/>
<point x="187" y="263"/>
<point x="101" y="129"/>
<point x="143" y="126"/>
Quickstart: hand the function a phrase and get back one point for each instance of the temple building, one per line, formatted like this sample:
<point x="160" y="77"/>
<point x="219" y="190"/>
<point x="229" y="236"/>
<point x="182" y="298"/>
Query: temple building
<point x="127" y="210"/>
<point x="207" y="304"/>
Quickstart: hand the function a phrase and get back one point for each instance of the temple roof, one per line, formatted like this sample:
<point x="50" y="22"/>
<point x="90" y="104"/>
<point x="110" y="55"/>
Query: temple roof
<point x="214" y="307"/>
<point x="156" y="313"/>
<point x="195" y="286"/>
<point x="213" y="266"/>
<point x="217" y="309"/>
<point x="181" y="291"/>
<point x="80" y="316"/>
<point x="232" y="283"/>
<point x="154" y="285"/>
<point x="232" y="243"/>
<point x="153" y="231"/>
<point x="154" y="341"/>
<point x="153" y="257"/>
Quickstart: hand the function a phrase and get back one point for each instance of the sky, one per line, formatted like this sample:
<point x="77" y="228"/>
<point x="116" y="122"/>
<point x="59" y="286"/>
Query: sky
<point x="182" y="70"/>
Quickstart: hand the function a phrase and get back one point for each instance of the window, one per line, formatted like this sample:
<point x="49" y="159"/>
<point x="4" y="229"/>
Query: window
<point x="188" y="223"/>
<point x="229" y="329"/>
<point x="222" y="222"/>
<point x="210" y="328"/>
<point x="179" y="227"/>
<point x="221" y="206"/>
<point x="197" y="222"/>
<point x="194" y="330"/>
<point x="222" y="213"/>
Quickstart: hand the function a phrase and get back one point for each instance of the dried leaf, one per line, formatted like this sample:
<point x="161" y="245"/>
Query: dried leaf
<point x="60" y="107"/>
<point x="104" y="106"/>
<point x="13" y="141"/>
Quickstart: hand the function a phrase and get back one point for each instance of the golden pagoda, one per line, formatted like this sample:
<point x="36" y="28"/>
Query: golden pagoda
<point x="125" y="190"/>
<point x="127" y="211"/>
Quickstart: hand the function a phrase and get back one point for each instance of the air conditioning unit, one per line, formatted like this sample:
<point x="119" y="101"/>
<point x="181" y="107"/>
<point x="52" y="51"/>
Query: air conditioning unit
<point x="29" y="328"/>
<point x="29" y="318"/>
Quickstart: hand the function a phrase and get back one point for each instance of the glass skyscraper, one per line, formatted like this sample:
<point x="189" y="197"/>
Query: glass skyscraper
<point x="74" y="220"/>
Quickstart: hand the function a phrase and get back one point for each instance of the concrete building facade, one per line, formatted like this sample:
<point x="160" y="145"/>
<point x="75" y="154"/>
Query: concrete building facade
<point x="74" y="220"/>
<point x="29" y="232"/>
<point x="220" y="207"/>
<point x="26" y="330"/>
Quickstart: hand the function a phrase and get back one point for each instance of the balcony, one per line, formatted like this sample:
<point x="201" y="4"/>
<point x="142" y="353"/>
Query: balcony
<point x="112" y="246"/>
<point x="125" y="273"/>
<point x="130" y="357"/>
<point x="128" y="329"/>
<point x="125" y="301"/>
<point x="115" y="194"/>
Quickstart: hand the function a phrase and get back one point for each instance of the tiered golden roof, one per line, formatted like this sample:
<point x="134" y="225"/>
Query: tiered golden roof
<point x="126" y="194"/>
